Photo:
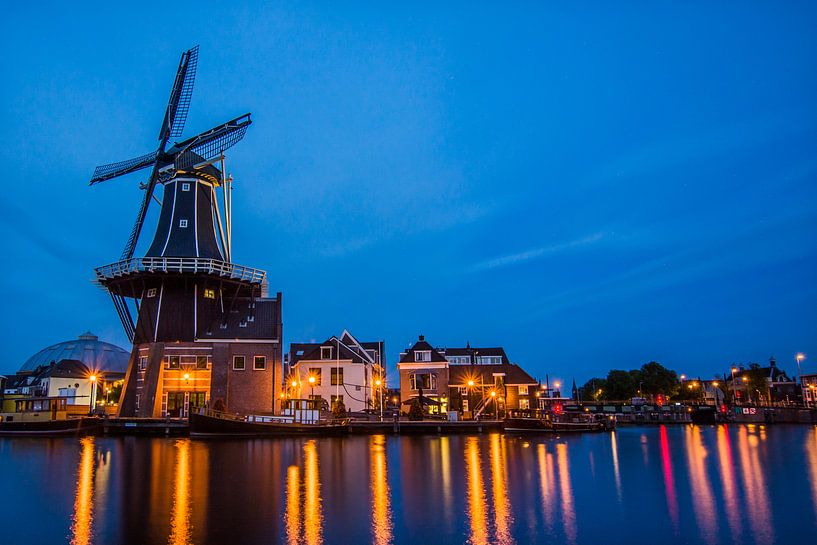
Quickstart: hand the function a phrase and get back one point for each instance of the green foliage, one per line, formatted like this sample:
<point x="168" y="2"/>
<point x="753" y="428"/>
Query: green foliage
<point x="621" y="385"/>
<point x="594" y="389"/>
<point x="415" y="411"/>
<point x="657" y="379"/>
<point x="338" y="409"/>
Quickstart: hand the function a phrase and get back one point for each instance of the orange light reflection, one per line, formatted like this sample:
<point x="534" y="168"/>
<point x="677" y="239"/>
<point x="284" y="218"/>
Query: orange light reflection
<point x="180" y="519"/>
<point x="704" y="503"/>
<point x="84" y="500"/>
<point x="500" y="492"/>
<point x="566" y="492"/>
<point x="381" y="502"/>
<point x="476" y="493"/>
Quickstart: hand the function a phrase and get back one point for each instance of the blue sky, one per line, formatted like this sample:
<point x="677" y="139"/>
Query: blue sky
<point x="590" y="185"/>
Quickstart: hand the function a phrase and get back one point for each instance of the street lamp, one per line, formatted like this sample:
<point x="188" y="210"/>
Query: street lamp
<point x="746" y="385"/>
<point x="92" y="378"/>
<point x="734" y="388"/>
<point x="311" y="381"/>
<point x="496" y="411"/>
<point x="470" y="397"/>
<point x="800" y="357"/>
<point x="380" y="394"/>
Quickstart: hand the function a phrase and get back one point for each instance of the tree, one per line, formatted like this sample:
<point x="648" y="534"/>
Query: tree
<point x="657" y="379"/>
<point x="621" y="385"/>
<point x="338" y="408"/>
<point x="594" y="389"/>
<point x="415" y="411"/>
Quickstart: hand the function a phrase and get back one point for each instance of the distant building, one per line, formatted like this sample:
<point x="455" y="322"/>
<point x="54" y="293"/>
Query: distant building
<point x="808" y="384"/>
<point x="338" y="367"/>
<point x="756" y="384"/>
<point x="65" y="370"/>
<point x="470" y="380"/>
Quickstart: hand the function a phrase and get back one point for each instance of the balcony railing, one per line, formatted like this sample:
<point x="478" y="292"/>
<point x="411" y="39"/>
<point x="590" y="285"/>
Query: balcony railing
<point x="186" y="265"/>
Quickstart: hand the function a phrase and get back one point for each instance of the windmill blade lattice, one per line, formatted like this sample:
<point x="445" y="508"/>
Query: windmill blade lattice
<point x="210" y="144"/>
<point x="182" y="93"/>
<point x="112" y="170"/>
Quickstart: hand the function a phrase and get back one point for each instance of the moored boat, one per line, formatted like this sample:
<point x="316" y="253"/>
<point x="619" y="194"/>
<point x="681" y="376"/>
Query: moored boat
<point x="299" y="417"/>
<point x="534" y="421"/>
<point x="45" y="417"/>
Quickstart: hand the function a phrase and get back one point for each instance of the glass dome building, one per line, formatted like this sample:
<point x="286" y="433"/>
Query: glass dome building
<point x="95" y="354"/>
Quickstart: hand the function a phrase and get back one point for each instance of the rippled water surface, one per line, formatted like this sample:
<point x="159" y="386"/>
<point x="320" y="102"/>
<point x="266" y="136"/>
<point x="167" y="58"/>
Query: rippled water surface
<point x="736" y="484"/>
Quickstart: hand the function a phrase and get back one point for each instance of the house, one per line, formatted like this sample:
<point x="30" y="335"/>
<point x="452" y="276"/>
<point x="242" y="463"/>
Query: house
<point x="340" y="367"/>
<point x="470" y="380"/>
<point x="808" y="384"/>
<point x="762" y="385"/>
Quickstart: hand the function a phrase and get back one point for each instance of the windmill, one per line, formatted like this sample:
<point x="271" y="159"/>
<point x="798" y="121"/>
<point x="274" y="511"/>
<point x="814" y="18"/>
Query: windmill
<point x="200" y="318"/>
<point x="192" y="159"/>
<point x="195" y="152"/>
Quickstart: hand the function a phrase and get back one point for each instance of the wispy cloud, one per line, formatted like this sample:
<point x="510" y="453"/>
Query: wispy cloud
<point x="535" y="253"/>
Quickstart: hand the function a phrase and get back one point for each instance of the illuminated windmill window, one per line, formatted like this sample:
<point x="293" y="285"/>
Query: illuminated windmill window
<point x="209" y="293"/>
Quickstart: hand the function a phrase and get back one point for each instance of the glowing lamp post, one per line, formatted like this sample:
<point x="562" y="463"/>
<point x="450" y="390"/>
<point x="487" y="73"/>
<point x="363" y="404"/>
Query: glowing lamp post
<point x="470" y="401"/>
<point x="734" y="388"/>
<point x="92" y="378"/>
<point x="800" y="357"/>
<point x="311" y="381"/>
<point x="380" y="394"/>
<point x="496" y="411"/>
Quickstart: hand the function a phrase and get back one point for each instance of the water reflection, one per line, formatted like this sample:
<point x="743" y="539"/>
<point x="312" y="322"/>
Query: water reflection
<point x="547" y="483"/>
<point x="724" y="485"/>
<point x="84" y="498"/>
<point x="704" y="503"/>
<point x="499" y="479"/>
<point x="616" y="470"/>
<point x="476" y="493"/>
<point x="566" y="492"/>
<point x="669" y="480"/>
<point x="293" y="509"/>
<point x="180" y="512"/>
<point x="381" y="502"/>
<point x="755" y="492"/>
<point x="313" y="517"/>
<point x="729" y="483"/>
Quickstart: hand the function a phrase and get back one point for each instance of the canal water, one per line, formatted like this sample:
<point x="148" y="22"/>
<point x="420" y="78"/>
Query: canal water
<point x="712" y="485"/>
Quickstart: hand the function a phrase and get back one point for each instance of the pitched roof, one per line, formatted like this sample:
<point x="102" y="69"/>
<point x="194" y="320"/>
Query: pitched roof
<point x="349" y="349"/>
<point x="421" y="346"/>
<point x="459" y="375"/>
<point x="476" y="352"/>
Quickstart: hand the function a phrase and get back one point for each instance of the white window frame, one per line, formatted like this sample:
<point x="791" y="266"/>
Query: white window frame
<point x="523" y="389"/>
<point x="254" y="363"/>
<point x="185" y="186"/>
<point x="244" y="362"/>
<point x="422" y="355"/>
<point x="151" y="292"/>
<point x="143" y="363"/>
<point x="183" y="224"/>
<point x="324" y="351"/>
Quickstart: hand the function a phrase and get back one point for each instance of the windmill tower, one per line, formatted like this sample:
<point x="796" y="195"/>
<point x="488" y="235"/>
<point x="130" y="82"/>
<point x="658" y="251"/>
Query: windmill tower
<point x="204" y="331"/>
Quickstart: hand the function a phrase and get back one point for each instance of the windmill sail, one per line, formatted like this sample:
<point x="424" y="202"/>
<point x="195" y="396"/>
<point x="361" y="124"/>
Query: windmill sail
<point x="210" y="144"/>
<point x="179" y="103"/>
<point x="106" y="172"/>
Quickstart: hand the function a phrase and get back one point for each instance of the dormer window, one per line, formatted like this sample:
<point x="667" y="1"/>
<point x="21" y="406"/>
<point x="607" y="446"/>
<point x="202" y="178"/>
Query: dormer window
<point x="422" y="355"/>
<point x="182" y="223"/>
<point x="326" y="352"/>
<point x="185" y="186"/>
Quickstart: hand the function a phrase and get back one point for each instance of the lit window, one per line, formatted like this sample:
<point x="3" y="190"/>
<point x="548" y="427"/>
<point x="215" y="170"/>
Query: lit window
<point x="185" y="187"/>
<point x="425" y="381"/>
<point x="143" y="362"/>
<point x="326" y="352"/>
<point x="209" y="293"/>
<point x="182" y="223"/>
<point x="238" y="363"/>
<point x="151" y="292"/>
<point x="173" y="362"/>
<point x="523" y="390"/>
<point x="259" y="363"/>
<point x="201" y="362"/>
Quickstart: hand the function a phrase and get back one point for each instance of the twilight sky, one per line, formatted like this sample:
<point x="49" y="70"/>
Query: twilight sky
<point x="590" y="185"/>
